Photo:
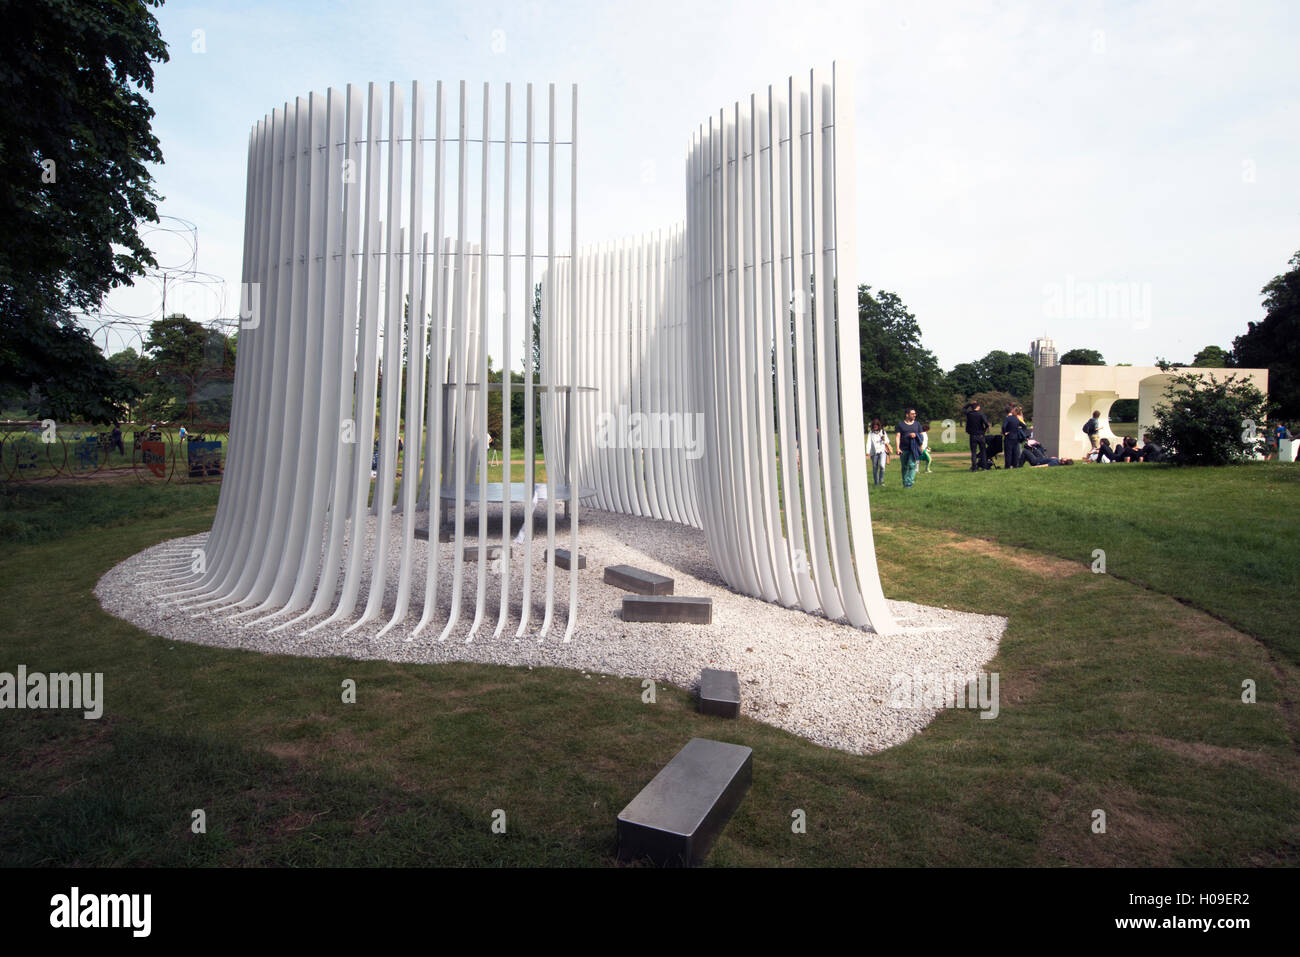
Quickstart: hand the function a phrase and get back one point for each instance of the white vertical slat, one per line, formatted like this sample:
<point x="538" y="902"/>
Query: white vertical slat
<point x="530" y="421"/>
<point x="367" y="367"/>
<point x="431" y="482"/>
<point x="753" y="369"/>
<point x="321" y="420"/>
<point x="415" y="339"/>
<point x="507" y="393"/>
<point x="548" y="370"/>
<point x="828" y="366"/>
<point x="844" y="178"/>
<point x="480" y="432"/>
<point x="309" y="475"/>
<point x="392" y="388"/>
<point x="286" y="395"/>
<point x="787" y="410"/>
<point x="809" y="398"/>
<point x="459" y="322"/>
<point x="575" y="475"/>
<point x="344" y="294"/>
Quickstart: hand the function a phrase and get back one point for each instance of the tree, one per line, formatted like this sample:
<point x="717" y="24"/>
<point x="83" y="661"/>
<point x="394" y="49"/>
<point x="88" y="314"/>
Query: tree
<point x="186" y="372"/>
<point x="898" y="372"/>
<point x="1082" y="357"/>
<point x="1213" y="357"/>
<point x="1009" y="372"/>
<point x="1274" y="342"/>
<point x="967" y="378"/>
<point x="74" y="140"/>
<point x="1207" y="422"/>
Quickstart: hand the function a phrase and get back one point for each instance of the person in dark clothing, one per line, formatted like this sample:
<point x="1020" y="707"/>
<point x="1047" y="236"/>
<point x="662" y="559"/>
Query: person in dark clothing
<point x="977" y="426"/>
<point x="1151" y="452"/>
<point x="1104" y="452"/>
<point x="907" y="443"/>
<point x="1128" y="451"/>
<point x="1011" y="439"/>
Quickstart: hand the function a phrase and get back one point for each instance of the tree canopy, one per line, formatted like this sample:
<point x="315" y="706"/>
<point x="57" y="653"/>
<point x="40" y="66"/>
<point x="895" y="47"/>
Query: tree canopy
<point x="1213" y="357"/>
<point x="898" y="372"/>
<point x="74" y="140"/>
<point x="1273" y="343"/>
<point x="1082" y="357"/>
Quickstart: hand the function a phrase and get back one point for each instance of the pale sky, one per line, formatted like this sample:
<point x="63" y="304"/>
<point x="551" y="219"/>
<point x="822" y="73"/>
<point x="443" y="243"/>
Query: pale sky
<point x="1118" y="176"/>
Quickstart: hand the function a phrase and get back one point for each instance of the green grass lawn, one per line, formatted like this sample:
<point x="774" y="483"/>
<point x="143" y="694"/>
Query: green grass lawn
<point x="1120" y="691"/>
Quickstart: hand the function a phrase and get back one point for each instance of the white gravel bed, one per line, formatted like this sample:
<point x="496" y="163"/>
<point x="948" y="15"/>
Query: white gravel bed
<point x="823" y="680"/>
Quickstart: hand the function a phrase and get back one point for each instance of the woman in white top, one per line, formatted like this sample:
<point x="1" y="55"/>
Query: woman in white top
<point x="878" y="451"/>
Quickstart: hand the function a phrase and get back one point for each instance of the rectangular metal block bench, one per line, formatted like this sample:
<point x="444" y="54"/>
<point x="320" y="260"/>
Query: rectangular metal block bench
<point x="493" y="553"/>
<point x="720" y="693"/>
<point x="563" y="558"/>
<point x="678" y="815"/>
<point x="668" y="608"/>
<point x="638" y="580"/>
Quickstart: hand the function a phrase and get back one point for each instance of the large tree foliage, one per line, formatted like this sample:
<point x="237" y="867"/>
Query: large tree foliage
<point x="74" y="140"/>
<point x="1274" y="342"/>
<point x="898" y="372"/>
<point x="1204" y="421"/>
<point x="1000" y="372"/>
<point x="1082" y="357"/>
<point x="1213" y="357"/>
<point x="186" y="373"/>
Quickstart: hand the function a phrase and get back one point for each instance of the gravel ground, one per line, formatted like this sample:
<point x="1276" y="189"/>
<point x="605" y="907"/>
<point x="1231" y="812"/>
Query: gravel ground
<point x="823" y="680"/>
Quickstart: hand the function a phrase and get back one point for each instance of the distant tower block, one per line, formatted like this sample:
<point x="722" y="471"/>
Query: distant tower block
<point x="1044" y="352"/>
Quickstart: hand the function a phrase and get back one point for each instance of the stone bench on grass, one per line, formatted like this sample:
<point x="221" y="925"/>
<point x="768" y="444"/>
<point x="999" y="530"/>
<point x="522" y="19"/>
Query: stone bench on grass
<point x="668" y="608"/>
<point x="720" y="693"/>
<point x="638" y="580"/>
<point x="678" y="815"/>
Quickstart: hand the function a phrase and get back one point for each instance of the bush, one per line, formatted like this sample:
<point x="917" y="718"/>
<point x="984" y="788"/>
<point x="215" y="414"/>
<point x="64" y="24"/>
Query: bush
<point x="1208" y="422"/>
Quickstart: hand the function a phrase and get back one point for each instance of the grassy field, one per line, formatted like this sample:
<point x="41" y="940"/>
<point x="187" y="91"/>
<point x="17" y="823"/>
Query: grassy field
<point x="1120" y="691"/>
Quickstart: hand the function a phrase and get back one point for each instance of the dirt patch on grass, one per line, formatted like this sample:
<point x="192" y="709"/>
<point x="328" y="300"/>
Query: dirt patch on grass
<point x="1133" y="836"/>
<point x="56" y="755"/>
<point x="1215" y="754"/>
<point x="333" y="744"/>
<point x="1045" y="566"/>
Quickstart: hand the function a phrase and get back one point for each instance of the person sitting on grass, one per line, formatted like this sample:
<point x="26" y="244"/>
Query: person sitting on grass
<point x="1130" y="450"/>
<point x="1151" y="452"/>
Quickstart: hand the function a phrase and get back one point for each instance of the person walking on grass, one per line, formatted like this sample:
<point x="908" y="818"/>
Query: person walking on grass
<point x="878" y="451"/>
<point x="925" y="448"/>
<point x="1092" y="429"/>
<point x="907" y="443"/>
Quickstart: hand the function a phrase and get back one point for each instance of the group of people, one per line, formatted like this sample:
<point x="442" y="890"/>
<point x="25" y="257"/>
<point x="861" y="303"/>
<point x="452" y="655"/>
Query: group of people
<point x="1124" y="450"/>
<point x="1019" y="447"/>
<point x="911" y="445"/>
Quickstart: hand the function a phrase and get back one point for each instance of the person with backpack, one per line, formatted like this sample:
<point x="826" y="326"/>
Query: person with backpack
<point x="1092" y="429"/>
<point x="977" y="426"/>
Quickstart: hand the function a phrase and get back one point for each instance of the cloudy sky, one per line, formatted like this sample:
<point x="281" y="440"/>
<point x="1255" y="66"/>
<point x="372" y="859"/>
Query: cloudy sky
<point x="1120" y="176"/>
